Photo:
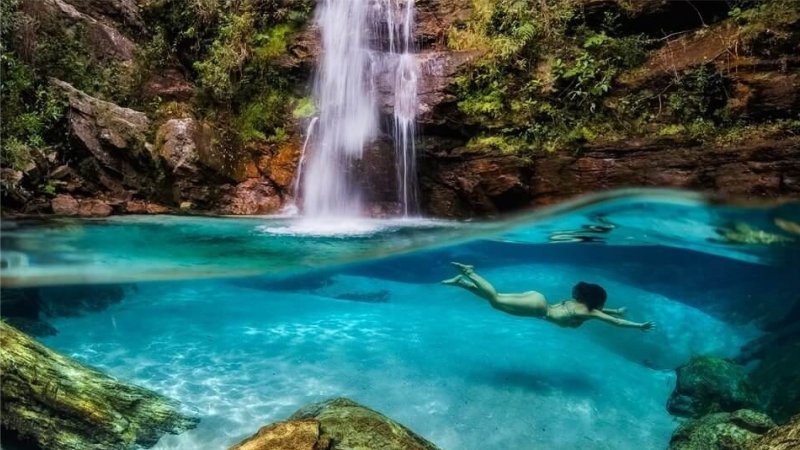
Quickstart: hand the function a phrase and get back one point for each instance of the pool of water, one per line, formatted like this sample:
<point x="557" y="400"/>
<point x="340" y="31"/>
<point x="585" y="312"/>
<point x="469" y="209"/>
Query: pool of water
<point x="357" y="310"/>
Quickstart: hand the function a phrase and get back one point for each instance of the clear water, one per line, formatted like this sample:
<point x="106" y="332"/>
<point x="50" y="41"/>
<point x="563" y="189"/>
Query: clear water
<point x="356" y="310"/>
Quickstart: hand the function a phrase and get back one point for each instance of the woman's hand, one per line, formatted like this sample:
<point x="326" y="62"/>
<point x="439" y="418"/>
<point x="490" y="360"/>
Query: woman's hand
<point x="621" y="311"/>
<point x="648" y="326"/>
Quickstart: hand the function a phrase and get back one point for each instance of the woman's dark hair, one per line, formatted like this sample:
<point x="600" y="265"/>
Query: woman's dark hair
<point x="591" y="295"/>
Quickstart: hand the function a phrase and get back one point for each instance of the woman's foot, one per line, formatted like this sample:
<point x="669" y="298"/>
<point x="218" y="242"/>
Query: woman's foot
<point x="466" y="269"/>
<point x="451" y="281"/>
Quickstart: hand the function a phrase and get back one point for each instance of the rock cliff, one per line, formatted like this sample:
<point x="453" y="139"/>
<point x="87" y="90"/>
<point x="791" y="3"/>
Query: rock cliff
<point x="149" y="106"/>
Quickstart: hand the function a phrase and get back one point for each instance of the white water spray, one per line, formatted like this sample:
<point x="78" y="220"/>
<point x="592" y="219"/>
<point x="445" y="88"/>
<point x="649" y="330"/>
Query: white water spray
<point x="347" y="99"/>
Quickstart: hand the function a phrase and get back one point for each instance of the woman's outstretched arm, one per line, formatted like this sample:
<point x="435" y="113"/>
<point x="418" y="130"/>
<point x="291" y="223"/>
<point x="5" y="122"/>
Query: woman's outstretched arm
<point x="616" y="311"/>
<point x="616" y="321"/>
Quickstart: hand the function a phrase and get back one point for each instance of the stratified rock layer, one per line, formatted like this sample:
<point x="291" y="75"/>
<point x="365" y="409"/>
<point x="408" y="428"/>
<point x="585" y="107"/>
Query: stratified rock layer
<point x="338" y="424"/>
<point x="60" y="404"/>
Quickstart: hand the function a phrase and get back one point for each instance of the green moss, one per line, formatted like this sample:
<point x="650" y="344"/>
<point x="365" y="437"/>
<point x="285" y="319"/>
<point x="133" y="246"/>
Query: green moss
<point x="304" y="108"/>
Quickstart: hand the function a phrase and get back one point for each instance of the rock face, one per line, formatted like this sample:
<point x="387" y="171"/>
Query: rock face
<point x="57" y="403"/>
<point x="707" y="384"/>
<point x="462" y="183"/>
<point x="114" y="138"/>
<point x="100" y="20"/>
<point x="784" y="437"/>
<point x="459" y="182"/>
<point x="739" y="430"/>
<point x="338" y="424"/>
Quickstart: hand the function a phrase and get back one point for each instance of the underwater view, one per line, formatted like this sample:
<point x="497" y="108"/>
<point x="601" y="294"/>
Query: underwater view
<point x="245" y="320"/>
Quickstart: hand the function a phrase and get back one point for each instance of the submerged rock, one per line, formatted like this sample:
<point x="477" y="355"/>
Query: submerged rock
<point x="785" y="437"/>
<point x="707" y="384"/>
<point x="776" y="379"/>
<point x="54" y="402"/>
<point x="336" y="424"/>
<point x="721" y="431"/>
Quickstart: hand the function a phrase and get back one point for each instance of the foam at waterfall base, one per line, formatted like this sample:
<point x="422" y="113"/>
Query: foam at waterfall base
<point x="347" y="226"/>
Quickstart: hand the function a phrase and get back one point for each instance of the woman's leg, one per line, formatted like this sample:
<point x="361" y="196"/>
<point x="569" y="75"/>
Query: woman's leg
<point x="463" y="283"/>
<point x="484" y="288"/>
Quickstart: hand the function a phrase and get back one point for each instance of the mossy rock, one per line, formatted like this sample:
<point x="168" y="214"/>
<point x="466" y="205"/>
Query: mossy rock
<point x="337" y="424"/>
<point x="784" y="437"/>
<point x="721" y="431"/>
<point x="708" y="384"/>
<point x="54" y="402"/>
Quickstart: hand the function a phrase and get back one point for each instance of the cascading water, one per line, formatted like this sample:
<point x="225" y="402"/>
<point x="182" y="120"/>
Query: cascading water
<point x="347" y="101"/>
<point x="347" y="112"/>
<point x="405" y="108"/>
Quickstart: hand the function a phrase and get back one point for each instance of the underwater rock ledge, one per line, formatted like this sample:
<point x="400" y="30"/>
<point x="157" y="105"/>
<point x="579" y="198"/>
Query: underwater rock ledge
<point x="336" y="424"/>
<point x="57" y="403"/>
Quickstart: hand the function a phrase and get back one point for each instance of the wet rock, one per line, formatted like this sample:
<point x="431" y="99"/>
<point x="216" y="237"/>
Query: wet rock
<point x="738" y="430"/>
<point x="337" y="424"/>
<point x="254" y="196"/>
<point x="66" y="205"/>
<point x="281" y="166"/>
<point x="144" y="207"/>
<point x="784" y="437"/>
<point x="51" y="401"/>
<point x="291" y="435"/>
<point x="707" y="384"/>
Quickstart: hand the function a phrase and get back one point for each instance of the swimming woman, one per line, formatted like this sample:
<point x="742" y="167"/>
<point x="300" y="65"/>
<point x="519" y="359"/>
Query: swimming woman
<point x="586" y="304"/>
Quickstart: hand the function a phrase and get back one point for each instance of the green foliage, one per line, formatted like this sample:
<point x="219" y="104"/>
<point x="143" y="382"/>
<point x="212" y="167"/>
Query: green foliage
<point x="304" y="108"/>
<point x="262" y="118"/>
<point x="220" y="71"/>
<point x="545" y="74"/>
<point x="238" y="72"/>
<point x="700" y="93"/>
<point x="31" y="109"/>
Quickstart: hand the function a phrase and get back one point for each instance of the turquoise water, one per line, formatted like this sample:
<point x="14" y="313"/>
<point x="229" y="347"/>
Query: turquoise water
<point x="356" y="310"/>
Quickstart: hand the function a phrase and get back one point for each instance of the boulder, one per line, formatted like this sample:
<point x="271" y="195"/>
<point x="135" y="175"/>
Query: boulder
<point x="254" y="196"/>
<point x="784" y="437"/>
<point x="67" y="205"/>
<point x="337" y="424"/>
<point x="708" y="384"/>
<point x="105" y="39"/>
<point x="114" y="138"/>
<point x="738" y="430"/>
<point x="53" y="402"/>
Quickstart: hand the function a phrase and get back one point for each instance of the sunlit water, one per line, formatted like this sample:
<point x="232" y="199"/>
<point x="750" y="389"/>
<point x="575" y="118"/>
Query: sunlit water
<point x="241" y="352"/>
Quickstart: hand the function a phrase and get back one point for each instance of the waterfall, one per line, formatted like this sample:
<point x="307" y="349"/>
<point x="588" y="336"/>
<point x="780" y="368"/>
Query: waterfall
<point x="405" y="111"/>
<point x="346" y="93"/>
